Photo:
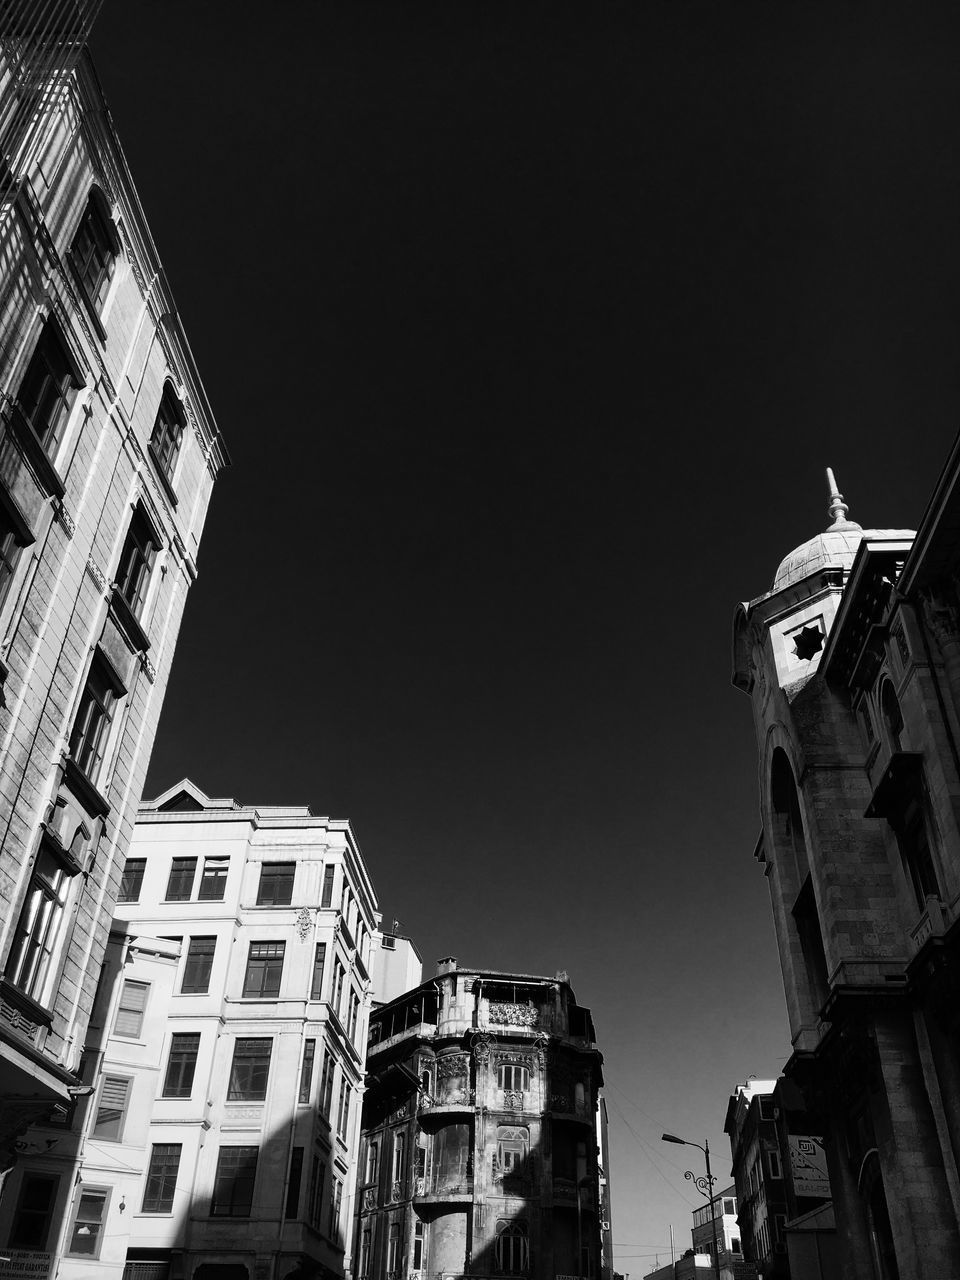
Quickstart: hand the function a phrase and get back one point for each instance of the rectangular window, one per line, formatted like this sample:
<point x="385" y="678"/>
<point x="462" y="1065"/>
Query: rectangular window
<point x="393" y="1249"/>
<point x="48" y="388"/>
<point x="198" y="967"/>
<point x="335" y="1209"/>
<point x="181" y="1064"/>
<point x="136" y="561"/>
<point x="337" y="985"/>
<point x="773" y="1160"/>
<point x="373" y="1158"/>
<point x="167" y="433"/>
<point x="766" y="1109"/>
<point x="213" y="882"/>
<point x="133" y="1001"/>
<point x="161" y="1180"/>
<point x="399" y="1152"/>
<point x="513" y="1077"/>
<point x="363" y="1271"/>
<point x="94" y="251"/>
<point x="180" y="884"/>
<point x="319" y="959"/>
<point x="328" y="875"/>
<point x="11" y="544"/>
<point x="343" y="1109"/>
<point x="730" y="1206"/>
<point x="111" y="1108"/>
<point x="251" y="1068"/>
<point x="306" y="1070"/>
<point x="354" y="1013"/>
<point x="38" y="928"/>
<point x="318" y="1176"/>
<point x="233" y="1188"/>
<point x="131" y="881"/>
<point x="31" y="1218"/>
<point x="95" y="712"/>
<point x="418" y="1245"/>
<point x="86" y="1230"/>
<point x="326" y="1086"/>
<point x="264" y="969"/>
<point x="293" y="1184"/>
<point x="276" y="884"/>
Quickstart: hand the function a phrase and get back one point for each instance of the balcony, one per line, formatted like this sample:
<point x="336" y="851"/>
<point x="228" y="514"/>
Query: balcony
<point x="448" y="1191"/>
<point x="447" y="1104"/>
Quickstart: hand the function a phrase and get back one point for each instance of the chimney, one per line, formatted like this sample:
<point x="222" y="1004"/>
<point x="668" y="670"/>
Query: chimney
<point x="447" y="964"/>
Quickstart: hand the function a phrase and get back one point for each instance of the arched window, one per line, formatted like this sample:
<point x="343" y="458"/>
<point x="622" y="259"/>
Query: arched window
<point x="168" y="432"/>
<point x="512" y="1248"/>
<point x="94" y="251"/>
<point x="795" y="877"/>
<point x="892" y="715"/>
<point x="513" y="1146"/>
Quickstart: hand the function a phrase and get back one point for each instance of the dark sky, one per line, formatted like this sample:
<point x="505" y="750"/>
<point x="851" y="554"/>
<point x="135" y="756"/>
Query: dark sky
<point x="531" y="330"/>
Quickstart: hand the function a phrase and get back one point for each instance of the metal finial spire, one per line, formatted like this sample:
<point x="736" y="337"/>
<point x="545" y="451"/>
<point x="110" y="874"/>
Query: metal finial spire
<point x="838" y="508"/>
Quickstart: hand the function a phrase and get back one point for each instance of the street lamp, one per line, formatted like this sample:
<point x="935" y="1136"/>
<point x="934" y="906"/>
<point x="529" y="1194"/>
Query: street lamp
<point x="704" y="1186"/>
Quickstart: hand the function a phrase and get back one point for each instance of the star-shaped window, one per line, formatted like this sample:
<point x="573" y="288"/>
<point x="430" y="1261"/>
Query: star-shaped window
<point x="807" y="642"/>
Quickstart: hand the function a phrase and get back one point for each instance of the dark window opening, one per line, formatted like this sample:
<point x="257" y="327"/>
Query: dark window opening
<point x="198" y="967"/>
<point x="48" y="388"/>
<point x="264" y="969"/>
<point x="131" y="881"/>
<point x="276" y="884"/>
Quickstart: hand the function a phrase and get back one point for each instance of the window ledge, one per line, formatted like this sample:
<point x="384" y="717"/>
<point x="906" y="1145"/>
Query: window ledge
<point x="129" y="623"/>
<point x="95" y="803"/>
<point x="26" y="1004"/>
<point x="163" y="477"/>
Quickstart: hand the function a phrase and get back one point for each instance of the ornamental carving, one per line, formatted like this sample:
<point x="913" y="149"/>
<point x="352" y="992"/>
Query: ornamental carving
<point x="97" y="574"/>
<point x="941" y="618"/>
<point x="515" y="1015"/>
<point x="396" y="1191"/>
<point x="481" y="1049"/>
<point x="65" y="519"/>
<point x="369" y="1199"/>
<point x="900" y="640"/>
<point x="14" y="1018"/>
<point x="149" y="669"/>
<point x="559" y="1102"/>
<point x="454" y="1064"/>
<point x="514" y="1059"/>
<point x="304" y="924"/>
<point x="513" y="1098"/>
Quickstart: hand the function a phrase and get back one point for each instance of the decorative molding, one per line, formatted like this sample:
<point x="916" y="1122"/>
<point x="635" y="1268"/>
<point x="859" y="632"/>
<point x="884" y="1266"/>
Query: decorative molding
<point x="65" y="519"/>
<point x="149" y="670"/>
<point x="452" y="1064"/>
<point x="514" y="1015"/>
<point x="481" y="1048"/>
<point x="96" y="573"/>
<point x="304" y="924"/>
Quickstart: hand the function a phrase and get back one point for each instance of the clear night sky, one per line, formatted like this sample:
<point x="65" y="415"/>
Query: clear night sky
<point x="531" y="331"/>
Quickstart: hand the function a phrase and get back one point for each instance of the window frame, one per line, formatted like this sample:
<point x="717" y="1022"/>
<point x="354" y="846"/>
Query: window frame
<point x="513" y="1071"/>
<point x="307" y="1062"/>
<point x="137" y="560"/>
<point x="517" y="1232"/>
<point x="179" y="872"/>
<point x="274" y="876"/>
<point x="250" y="1069"/>
<point x="158" y="1172"/>
<point x="136" y="867"/>
<point x="213" y="863"/>
<point x="166" y="438"/>
<point x="40" y="930"/>
<point x="89" y="1190"/>
<point x="94" y="264"/>
<point x="95" y="716"/>
<point x="17" y="1238"/>
<point x="201" y="959"/>
<point x="260" y="991"/>
<point x="319" y="964"/>
<point x="181" y="1065"/>
<point x="223" y="1202"/>
<point x="121" y="1117"/>
<point x="129" y="1009"/>
<point x="52" y="367"/>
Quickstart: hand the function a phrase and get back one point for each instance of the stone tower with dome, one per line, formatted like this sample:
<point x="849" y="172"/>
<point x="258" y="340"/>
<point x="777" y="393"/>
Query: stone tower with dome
<point x="854" y="679"/>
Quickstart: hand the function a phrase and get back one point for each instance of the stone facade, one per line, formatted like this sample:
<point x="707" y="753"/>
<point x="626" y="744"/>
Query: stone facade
<point x="108" y="455"/>
<point x="851" y="665"/>
<point x="480" y="1153"/>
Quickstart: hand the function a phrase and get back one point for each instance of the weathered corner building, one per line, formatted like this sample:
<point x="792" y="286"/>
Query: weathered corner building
<point x="852" y="663"/>
<point x="108" y="454"/>
<point x="480" y="1153"/>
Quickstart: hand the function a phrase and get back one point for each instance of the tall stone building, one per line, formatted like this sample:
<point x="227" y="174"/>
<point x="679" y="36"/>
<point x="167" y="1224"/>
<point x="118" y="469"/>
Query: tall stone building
<point x="108" y="454"/>
<point x="480" y="1153"/>
<point x="852" y="663"/>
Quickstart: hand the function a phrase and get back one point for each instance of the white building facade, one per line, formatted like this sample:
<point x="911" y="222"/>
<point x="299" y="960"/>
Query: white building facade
<point x="221" y="1140"/>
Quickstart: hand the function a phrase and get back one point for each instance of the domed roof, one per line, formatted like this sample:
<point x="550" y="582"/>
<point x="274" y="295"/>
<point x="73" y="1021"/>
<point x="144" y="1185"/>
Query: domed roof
<point x="836" y="546"/>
